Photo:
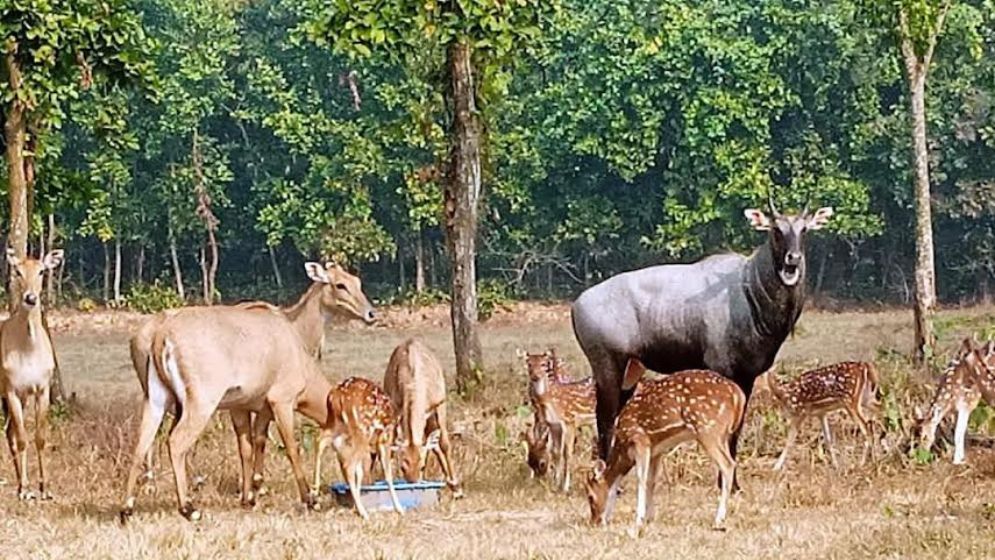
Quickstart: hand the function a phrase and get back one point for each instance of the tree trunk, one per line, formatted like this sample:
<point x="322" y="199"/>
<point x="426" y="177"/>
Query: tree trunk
<point x="419" y="262"/>
<point x="212" y="267"/>
<point x="925" y="276"/>
<point x="177" y="271"/>
<point x="15" y="130"/>
<point x="206" y="214"/>
<point x="462" y="196"/>
<point x="50" y="279"/>
<point x="140" y="264"/>
<point x="276" y="268"/>
<point x="107" y="273"/>
<point x="402" y="277"/>
<point x="117" y="271"/>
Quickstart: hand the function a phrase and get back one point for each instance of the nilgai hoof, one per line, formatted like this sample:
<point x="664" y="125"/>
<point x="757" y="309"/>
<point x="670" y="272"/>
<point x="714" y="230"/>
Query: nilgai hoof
<point x="190" y="512"/>
<point x="125" y="515"/>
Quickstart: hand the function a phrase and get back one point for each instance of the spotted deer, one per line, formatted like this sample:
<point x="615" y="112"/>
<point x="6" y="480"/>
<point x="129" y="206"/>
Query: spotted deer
<point x="537" y="454"/>
<point x="967" y="379"/>
<point x="361" y="421"/>
<point x="27" y="360"/>
<point x="849" y="386"/>
<point x="694" y="405"/>
<point x="564" y="406"/>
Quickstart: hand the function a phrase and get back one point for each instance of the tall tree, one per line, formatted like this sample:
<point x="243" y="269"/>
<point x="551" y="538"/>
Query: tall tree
<point x="477" y="38"/>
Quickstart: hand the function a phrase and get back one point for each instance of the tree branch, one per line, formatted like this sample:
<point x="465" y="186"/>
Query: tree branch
<point x="935" y="35"/>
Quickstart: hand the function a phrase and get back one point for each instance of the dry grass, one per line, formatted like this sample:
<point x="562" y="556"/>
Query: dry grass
<point x="891" y="509"/>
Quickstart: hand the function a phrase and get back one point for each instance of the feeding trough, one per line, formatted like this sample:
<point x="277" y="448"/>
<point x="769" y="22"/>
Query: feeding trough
<point x="411" y="495"/>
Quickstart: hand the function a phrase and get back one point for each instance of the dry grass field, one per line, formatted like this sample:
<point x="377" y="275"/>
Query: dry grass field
<point x="892" y="508"/>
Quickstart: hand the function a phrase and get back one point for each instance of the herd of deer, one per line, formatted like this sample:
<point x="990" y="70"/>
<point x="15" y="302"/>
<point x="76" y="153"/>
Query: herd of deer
<point x="260" y="363"/>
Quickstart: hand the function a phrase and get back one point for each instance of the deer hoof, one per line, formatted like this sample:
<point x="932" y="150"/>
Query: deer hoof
<point x="191" y="513"/>
<point x="26" y="495"/>
<point x="125" y="515"/>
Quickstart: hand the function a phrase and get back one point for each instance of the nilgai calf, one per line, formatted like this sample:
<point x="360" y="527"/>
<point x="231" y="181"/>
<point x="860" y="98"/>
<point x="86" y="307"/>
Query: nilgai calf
<point x="28" y="360"/>
<point x="417" y="391"/>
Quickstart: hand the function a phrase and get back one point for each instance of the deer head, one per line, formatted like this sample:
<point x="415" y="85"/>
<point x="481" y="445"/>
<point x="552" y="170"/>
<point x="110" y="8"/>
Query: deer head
<point x="413" y="455"/>
<point x="597" y="493"/>
<point x="29" y="273"/>
<point x="341" y="293"/>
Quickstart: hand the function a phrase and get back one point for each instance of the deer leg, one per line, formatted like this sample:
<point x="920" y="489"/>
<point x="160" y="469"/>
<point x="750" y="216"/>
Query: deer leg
<point x="862" y="424"/>
<point x="284" y="415"/>
<point x="153" y="410"/>
<point x="17" y="437"/>
<point x="656" y="468"/>
<point x="960" y="434"/>
<point x="717" y="447"/>
<point x="793" y="428"/>
<point x="556" y="438"/>
<point x="41" y="432"/>
<point x="188" y="427"/>
<point x="354" y="476"/>
<point x="569" y="437"/>
<point x="242" y="424"/>
<point x="388" y="475"/>
<point x="642" y="452"/>
<point x="442" y="453"/>
<point x="260" y="433"/>
<point x="323" y="440"/>
<point x="827" y="437"/>
<point x="928" y="433"/>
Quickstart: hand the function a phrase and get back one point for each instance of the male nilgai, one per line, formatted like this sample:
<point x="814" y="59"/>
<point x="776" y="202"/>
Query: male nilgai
<point x="727" y="313"/>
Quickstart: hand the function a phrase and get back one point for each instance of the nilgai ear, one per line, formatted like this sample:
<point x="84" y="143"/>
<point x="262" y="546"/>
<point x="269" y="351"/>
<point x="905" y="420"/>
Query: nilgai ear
<point x="12" y="258"/>
<point x="317" y="273"/>
<point x="53" y="259"/>
<point x="758" y="220"/>
<point x="820" y="218"/>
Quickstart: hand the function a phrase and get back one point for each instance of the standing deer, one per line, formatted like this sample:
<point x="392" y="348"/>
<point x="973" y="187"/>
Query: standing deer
<point x="849" y="386"/>
<point x="361" y="421"/>
<point x="417" y="391"/>
<point x="28" y="360"/>
<point x="727" y="313"/>
<point x="241" y="360"/>
<point x="695" y="405"/>
<point x="564" y="407"/>
<point x="967" y="379"/>
<point x="333" y="293"/>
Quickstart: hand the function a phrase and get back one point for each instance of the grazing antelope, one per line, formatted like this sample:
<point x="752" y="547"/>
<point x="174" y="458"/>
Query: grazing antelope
<point x="241" y="360"/>
<point x="564" y="406"/>
<point x="695" y="405"/>
<point x="333" y="293"/>
<point x="361" y="422"/>
<point x="967" y="379"/>
<point x="417" y="391"/>
<point x="849" y="386"/>
<point x="27" y="360"/>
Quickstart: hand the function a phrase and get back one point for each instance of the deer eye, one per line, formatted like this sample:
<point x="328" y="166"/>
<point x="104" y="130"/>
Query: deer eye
<point x="18" y="273"/>
<point x="341" y="287"/>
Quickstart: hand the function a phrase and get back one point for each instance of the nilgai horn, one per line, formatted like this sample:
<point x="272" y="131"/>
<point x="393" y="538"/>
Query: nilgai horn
<point x="693" y="405"/>
<point x="849" y="386"/>
<point x="28" y="360"/>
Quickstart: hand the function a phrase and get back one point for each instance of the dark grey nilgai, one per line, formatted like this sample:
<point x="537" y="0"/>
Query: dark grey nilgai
<point x="728" y="313"/>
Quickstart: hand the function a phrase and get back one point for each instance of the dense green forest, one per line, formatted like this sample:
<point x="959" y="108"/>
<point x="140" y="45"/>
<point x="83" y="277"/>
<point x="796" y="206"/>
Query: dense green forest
<point x="615" y="135"/>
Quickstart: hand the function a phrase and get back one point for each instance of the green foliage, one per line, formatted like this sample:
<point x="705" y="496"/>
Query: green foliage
<point x="492" y="294"/>
<point x="152" y="298"/>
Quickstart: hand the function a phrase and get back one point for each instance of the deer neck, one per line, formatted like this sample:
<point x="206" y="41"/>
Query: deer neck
<point x="307" y="317"/>
<point x="774" y="306"/>
<point x="25" y="326"/>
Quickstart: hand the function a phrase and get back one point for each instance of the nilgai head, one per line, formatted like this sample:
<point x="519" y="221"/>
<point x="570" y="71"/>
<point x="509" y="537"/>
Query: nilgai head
<point x="342" y="293"/>
<point x="597" y="493"/>
<point x="413" y="455"/>
<point x="787" y="236"/>
<point x="28" y="274"/>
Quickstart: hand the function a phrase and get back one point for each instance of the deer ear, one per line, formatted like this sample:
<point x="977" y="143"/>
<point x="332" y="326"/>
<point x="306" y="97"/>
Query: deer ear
<point x="917" y="413"/>
<point x="966" y="347"/>
<point x="332" y="265"/>
<point x="598" y="470"/>
<point x="820" y="218"/>
<point x="317" y="273"/>
<point x="53" y="259"/>
<point x="520" y="354"/>
<point x="758" y="220"/>
<point x="12" y="258"/>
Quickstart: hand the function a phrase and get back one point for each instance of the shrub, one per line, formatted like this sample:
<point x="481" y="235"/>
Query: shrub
<point x="491" y="295"/>
<point x="86" y="305"/>
<point x="152" y="298"/>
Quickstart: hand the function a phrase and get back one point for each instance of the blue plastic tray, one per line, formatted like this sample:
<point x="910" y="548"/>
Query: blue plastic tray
<point x="412" y="495"/>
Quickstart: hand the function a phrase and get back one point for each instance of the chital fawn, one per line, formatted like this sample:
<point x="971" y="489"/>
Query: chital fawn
<point x="967" y="379"/>
<point x="849" y="386"/>
<point x="28" y="360"/>
<point x="564" y="406"/>
<point x="695" y="405"/>
<point x="361" y="422"/>
<point x="417" y="391"/>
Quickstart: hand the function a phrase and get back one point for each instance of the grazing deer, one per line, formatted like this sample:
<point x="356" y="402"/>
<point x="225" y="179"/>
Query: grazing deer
<point x="333" y="293"/>
<point x="849" y="386"/>
<point x="537" y="454"/>
<point x="227" y="358"/>
<point x="564" y="407"/>
<point x="361" y="422"/>
<point x="695" y="405"/>
<point x="967" y="379"/>
<point x="417" y="391"/>
<point x="27" y="360"/>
